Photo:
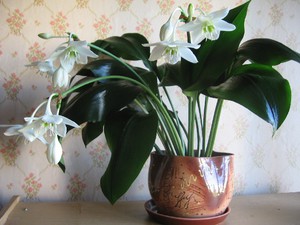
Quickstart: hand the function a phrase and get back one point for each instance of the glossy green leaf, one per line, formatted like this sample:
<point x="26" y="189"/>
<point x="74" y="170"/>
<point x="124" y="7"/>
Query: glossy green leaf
<point x="95" y="104"/>
<point x="259" y="88"/>
<point x="130" y="137"/>
<point x="128" y="46"/>
<point x="91" y="131"/>
<point x="266" y="51"/>
<point x="107" y="67"/>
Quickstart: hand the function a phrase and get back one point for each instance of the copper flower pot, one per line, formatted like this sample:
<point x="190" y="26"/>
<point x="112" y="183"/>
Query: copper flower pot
<point x="185" y="186"/>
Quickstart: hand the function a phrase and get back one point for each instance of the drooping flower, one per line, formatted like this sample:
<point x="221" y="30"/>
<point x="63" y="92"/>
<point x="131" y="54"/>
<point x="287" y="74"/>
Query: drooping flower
<point x="54" y="151"/>
<point x="38" y="127"/>
<point x="73" y="51"/>
<point x="208" y="26"/>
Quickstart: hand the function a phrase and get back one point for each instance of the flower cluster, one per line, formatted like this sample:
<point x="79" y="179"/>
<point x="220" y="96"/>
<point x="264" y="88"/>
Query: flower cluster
<point x="205" y="26"/>
<point x="67" y="54"/>
<point x="48" y="127"/>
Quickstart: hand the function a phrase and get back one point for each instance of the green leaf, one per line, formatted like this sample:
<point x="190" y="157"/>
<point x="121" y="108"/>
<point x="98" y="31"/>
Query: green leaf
<point x="130" y="137"/>
<point x="128" y="46"/>
<point x="107" y="67"/>
<point x="266" y="51"/>
<point x="172" y="75"/>
<point x="61" y="164"/>
<point x="91" y="131"/>
<point x="215" y="57"/>
<point x="259" y="88"/>
<point x="95" y="104"/>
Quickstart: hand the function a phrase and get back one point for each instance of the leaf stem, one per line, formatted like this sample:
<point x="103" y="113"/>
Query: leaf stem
<point x="214" y="128"/>
<point x="177" y="120"/>
<point x="191" y="121"/>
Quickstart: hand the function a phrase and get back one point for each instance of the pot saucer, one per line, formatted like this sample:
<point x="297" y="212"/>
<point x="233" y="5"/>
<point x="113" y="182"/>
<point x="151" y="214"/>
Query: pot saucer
<point x="165" y="219"/>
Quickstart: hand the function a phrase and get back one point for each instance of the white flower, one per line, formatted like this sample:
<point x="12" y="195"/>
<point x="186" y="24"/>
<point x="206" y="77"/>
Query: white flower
<point x="173" y="51"/>
<point x="208" y="26"/>
<point x="38" y="127"/>
<point x="74" y="51"/>
<point x="60" y="78"/>
<point x="169" y="48"/>
<point x="54" y="151"/>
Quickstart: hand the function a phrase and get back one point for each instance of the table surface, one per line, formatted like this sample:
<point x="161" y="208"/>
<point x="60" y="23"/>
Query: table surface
<point x="270" y="209"/>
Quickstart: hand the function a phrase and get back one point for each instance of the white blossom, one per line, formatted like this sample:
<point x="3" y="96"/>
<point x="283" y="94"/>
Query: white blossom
<point x="208" y="26"/>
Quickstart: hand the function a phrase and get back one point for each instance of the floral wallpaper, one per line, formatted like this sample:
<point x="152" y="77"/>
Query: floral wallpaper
<point x="264" y="162"/>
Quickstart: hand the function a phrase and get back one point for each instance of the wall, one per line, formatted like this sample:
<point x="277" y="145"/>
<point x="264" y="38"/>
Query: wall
<point x="264" y="163"/>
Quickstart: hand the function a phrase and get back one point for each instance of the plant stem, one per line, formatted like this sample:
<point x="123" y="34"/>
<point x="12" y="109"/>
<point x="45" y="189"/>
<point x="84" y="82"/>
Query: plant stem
<point x="214" y="128"/>
<point x="191" y="121"/>
<point x="177" y="120"/>
<point x="204" y="126"/>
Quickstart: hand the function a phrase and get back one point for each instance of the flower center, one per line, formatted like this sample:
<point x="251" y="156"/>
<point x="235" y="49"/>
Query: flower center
<point x="208" y="27"/>
<point x="72" y="53"/>
<point x="171" y="55"/>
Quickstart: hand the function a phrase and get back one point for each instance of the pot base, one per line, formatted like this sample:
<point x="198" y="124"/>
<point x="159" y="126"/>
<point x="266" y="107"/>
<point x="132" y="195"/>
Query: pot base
<point x="165" y="219"/>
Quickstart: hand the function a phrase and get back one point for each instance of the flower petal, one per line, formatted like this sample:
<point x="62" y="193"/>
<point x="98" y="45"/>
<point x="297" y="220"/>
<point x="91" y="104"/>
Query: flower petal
<point x="13" y="130"/>
<point x="60" y="130"/>
<point x="69" y="122"/>
<point x="60" y="78"/>
<point x="188" y="55"/>
<point x="224" y="26"/>
<point x="84" y="51"/>
<point x="157" y="52"/>
<point x="218" y="15"/>
<point x="54" y="119"/>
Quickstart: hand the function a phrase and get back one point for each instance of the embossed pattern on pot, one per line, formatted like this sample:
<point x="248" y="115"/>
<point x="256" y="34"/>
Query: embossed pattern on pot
<point x="191" y="187"/>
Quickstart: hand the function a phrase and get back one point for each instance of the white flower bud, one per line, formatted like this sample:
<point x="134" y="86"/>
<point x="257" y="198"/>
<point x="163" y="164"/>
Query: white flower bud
<point x="54" y="151"/>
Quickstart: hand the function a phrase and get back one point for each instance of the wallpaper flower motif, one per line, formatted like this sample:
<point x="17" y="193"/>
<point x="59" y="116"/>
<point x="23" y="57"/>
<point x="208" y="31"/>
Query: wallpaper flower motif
<point x="165" y="5"/>
<point x="16" y="22"/>
<point x="59" y="24"/>
<point x="12" y="85"/>
<point x="102" y="27"/>
<point x="76" y="187"/>
<point x="10" y="152"/>
<point x="31" y="186"/>
<point x="144" y="28"/>
<point x="124" y="4"/>
<point x="35" y="53"/>
<point x="82" y="3"/>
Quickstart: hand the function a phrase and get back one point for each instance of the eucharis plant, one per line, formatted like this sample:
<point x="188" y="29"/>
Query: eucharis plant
<point x="112" y="96"/>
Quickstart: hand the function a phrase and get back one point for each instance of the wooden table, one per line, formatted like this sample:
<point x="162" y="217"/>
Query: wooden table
<point x="271" y="209"/>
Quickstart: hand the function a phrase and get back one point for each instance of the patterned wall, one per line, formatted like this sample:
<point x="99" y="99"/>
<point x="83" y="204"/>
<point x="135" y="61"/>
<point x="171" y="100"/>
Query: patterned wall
<point x="264" y="163"/>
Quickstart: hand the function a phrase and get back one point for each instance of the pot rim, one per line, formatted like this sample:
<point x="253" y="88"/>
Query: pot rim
<point x="215" y="155"/>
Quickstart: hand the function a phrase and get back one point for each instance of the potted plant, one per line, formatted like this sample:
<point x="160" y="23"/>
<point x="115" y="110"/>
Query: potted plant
<point x="112" y="96"/>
